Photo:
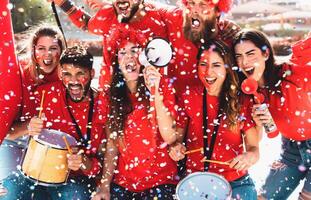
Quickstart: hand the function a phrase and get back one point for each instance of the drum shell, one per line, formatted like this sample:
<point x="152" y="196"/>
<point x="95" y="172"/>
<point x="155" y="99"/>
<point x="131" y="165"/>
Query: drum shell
<point x="45" y="164"/>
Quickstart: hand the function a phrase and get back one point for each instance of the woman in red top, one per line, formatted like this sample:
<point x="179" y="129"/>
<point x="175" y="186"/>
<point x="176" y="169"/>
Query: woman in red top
<point x="45" y="47"/>
<point x="287" y="92"/>
<point x="136" y="147"/>
<point x="220" y="125"/>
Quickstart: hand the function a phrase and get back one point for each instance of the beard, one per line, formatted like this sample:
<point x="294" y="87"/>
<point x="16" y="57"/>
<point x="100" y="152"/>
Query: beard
<point x="133" y="11"/>
<point x="206" y="33"/>
<point x="85" y="89"/>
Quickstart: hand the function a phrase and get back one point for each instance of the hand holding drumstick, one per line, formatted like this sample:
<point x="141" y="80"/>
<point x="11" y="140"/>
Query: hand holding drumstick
<point x="36" y="124"/>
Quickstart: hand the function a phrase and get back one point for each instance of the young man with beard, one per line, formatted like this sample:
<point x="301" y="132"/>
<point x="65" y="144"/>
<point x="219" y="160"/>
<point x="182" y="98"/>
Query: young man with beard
<point x="155" y="21"/>
<point x="134" y="14"/>
<point x="189" y="26"/>
<point x="73" y="107"/>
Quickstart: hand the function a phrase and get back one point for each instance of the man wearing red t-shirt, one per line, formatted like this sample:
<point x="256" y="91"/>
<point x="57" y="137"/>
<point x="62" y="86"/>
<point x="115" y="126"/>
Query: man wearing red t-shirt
<point x="134" y="14"/>
<point x="155" y="21"/>
<point x="70" y="106"/>
<point x="188" y="27"/>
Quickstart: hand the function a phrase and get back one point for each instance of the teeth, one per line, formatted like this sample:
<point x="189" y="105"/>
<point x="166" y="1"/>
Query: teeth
<point x="123" y="5"/>
<point x="130" y="67"/>
<point x="195" y="23"/>
<point x="249" y="69"/>
<point x="47" y="62"/>
<point x="210" y="80"/>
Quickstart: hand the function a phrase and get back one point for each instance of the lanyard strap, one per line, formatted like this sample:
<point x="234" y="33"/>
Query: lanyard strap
<point x="86" y="140"/>
<point x="208" y="150"/>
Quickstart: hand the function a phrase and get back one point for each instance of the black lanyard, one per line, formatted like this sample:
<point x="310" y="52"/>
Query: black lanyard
<point x="208" y="150"/>
<point x="89" y="121"/>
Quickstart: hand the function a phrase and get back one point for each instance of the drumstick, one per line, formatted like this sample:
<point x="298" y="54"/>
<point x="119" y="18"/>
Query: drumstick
<point x="41" y="103"/>
<point x="193" y="151"/>
<point x="215" y="161"/>
<point x="67" y="144"/>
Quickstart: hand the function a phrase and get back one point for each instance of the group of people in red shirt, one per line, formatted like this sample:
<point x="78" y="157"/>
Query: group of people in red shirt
<point x="198" y="104"/>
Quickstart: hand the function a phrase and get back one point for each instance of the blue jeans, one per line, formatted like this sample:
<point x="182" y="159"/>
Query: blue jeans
<point x="21" y="188"/>
<point x="161" y="192"/>
<point x="10" y="156"/>
<point x="243" y="188"/>
<point x="286" y="173"/>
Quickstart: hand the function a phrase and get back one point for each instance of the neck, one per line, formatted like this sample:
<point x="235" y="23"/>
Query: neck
<point x="215" y="93"/>
<point x="132" y="86"/>
<point x="261" y="82"/>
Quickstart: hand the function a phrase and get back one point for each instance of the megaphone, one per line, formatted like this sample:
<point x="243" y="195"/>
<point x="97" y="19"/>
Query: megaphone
<point x="158" y="53"/>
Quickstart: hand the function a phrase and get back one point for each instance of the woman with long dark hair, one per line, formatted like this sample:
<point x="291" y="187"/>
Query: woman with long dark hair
<point x="286" y="88"/>
<point x="215" y="118"/>
<point x="137" y="147"/>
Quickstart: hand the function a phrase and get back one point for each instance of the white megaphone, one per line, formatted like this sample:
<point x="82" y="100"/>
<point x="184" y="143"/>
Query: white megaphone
<point x="158" y="53"/>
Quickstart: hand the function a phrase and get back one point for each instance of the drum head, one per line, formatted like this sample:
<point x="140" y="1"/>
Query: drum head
<point x="54" y="138"/>
<point x="203" y="186"/>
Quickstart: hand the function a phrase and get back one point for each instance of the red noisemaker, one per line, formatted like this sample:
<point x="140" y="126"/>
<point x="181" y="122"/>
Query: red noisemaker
<point x="250" y="86"/>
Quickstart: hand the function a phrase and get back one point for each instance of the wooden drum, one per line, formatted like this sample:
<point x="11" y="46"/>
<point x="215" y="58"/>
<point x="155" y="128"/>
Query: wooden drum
<point x="45" y="160"/>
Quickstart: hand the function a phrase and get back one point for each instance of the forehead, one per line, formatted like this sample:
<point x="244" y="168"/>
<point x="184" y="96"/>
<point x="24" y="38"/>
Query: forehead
<point x="206" y="2"/>
<point x="245" y="45"/>
<point x="208" y="55"/>
<point x="44" y="40"/>
<point x="127" y="45"/>
<point x="71" y="68"/>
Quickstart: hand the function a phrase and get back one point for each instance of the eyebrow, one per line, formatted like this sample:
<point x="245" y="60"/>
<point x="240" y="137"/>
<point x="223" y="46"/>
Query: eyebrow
<point x="216" y="63"/>
<point x="250" y="51"/>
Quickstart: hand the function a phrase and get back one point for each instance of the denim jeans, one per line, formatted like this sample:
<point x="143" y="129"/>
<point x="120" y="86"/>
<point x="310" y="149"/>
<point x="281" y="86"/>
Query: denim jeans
<point x="21" y="188"/>
<point x="286" y="173"/>
<point x="243" y="188"/>
<point x="161" y="192"/>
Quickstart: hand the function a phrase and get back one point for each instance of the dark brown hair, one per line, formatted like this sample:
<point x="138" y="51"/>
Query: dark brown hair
<point x="228" y="98"/>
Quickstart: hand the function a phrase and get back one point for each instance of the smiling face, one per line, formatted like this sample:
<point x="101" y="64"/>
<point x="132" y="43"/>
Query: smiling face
<point x="77" y="81"/>
<point x="212" y="71"/>
<point x="126" y="9"/>
<point x="251" y="59"/>
<point x="128" y="61"/>
<point x="199" y="20"/>
<point x="47" y="54"/>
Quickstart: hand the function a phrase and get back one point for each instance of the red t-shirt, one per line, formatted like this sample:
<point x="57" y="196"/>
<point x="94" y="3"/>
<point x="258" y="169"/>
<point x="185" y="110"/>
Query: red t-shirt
<point x="183" y="67"/>
<point x="28" y="88"/>
<point x="228" y="144"/>
<point x="292" y="111"/>
<point x="141" y="166"/>
<point x="58" y="118"/>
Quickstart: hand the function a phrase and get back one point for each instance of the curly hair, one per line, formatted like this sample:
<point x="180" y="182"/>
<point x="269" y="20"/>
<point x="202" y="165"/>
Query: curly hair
<point x="228" y="98"/>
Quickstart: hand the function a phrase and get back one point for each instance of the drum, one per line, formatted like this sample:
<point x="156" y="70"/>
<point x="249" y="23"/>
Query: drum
<point x="45" y="160"/>
<point x="203" y="186"/>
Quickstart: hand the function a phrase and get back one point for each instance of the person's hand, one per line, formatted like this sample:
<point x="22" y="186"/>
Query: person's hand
<point x="75" y="160"/>
<point x="243" y="161"/>
<point x="152" y="77"/>
<point x="228" y="29"/>
<point x="260" y="116"/>
<point x="3" y="191"/>
<point x="177" y="151"/>
<point x="94" y="4"/>
<point x="35" y="126"/>
<point x="57" y="2"/>
<point x="102" y="194"/>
